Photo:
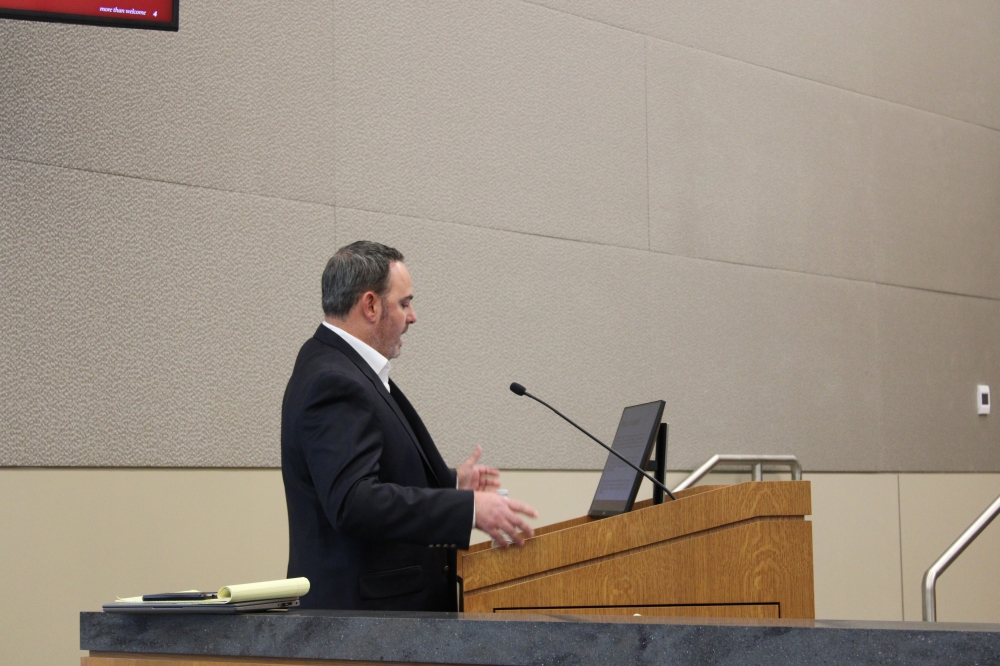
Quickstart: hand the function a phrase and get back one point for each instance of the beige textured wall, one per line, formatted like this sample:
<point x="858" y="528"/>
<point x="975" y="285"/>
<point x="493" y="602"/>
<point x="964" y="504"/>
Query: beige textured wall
<point x="782" y="220"/>
<point x="72" y="539"/>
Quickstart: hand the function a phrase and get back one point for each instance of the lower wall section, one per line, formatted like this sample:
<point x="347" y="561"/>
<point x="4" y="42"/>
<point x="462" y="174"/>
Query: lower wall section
<point x="74" y="539"/>
<point x="934" y="510"/>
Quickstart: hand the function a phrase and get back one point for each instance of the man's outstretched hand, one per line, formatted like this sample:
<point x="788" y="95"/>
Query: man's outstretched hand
<point x="498" y="515"/>
<point x="477" y="477"/>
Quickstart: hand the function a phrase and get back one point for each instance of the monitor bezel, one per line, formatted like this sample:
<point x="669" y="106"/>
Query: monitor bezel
<point x="80" y="19"/>
<point x="608" y="508"/>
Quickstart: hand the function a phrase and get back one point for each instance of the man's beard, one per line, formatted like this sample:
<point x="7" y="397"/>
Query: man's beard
<point x="388" y="345"/>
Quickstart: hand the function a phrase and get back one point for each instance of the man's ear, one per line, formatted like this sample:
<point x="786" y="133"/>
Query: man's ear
<point x="371" y="306"/>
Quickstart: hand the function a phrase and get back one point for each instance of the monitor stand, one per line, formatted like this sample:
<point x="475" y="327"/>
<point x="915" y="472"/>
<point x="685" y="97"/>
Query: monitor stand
<point x="658" y="465"/>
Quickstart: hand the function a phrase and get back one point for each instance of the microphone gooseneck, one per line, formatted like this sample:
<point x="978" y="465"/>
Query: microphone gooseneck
<point x="519" y="389"/>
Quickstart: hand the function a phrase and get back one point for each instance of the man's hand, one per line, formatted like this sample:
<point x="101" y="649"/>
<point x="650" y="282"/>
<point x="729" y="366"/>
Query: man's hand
<point x="498" y="516"/>
<point x="477" y="477"/>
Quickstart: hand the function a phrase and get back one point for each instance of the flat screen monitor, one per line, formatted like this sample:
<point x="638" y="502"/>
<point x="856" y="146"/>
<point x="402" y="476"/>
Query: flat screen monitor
<point x="150" y="14"/>
<point x="634" y="440"/>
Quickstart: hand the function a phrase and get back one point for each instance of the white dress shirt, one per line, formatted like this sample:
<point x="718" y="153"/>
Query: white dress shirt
<point x="381" y="366"/>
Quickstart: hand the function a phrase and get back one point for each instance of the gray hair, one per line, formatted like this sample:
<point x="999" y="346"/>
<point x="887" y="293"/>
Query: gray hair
<point x="357" y="268"/>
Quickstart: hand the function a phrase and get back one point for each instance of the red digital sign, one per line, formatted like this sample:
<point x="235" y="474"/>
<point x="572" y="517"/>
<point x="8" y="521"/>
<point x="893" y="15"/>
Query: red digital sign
<point x="157" y="14"/>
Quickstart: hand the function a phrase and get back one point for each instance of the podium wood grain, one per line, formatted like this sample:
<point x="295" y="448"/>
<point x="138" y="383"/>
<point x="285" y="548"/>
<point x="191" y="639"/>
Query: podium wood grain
<point x="750" y="611"/>
<point x="722" y="549"/>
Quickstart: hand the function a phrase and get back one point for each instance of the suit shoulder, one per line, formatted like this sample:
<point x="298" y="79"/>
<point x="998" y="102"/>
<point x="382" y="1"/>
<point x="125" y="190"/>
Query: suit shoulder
<point x="319" y="364"/>
<point x="318" y="355"/>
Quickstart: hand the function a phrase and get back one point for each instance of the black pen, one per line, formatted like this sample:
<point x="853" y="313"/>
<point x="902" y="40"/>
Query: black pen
<point x="179" y="596"/>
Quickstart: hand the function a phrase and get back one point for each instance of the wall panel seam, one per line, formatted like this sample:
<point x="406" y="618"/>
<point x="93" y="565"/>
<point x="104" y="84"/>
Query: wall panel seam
<point x="942" y="292"/>
<point x="770" y="69"/>
<point x="130" y="468"/>
<point x="574" y="470"/>
<point x="899" y="521"/>
<point x="334" y="109"/>
<point x="645" y="108"/>
<point x="208" y="188"/>
<point x="827" y="275"/>
<point x="468" y="225"/>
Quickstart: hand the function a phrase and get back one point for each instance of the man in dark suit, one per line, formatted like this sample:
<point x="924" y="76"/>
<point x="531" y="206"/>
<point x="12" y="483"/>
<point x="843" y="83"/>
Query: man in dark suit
<point x="374" y="513"/>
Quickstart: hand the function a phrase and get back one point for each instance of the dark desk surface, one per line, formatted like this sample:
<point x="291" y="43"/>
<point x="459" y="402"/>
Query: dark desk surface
<point x="465" y="638"/>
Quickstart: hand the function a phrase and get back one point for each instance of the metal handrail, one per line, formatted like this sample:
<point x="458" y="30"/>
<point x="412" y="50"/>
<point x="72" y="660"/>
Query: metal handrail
<point x="950" y="555"/>
<point x="756" y="464"/>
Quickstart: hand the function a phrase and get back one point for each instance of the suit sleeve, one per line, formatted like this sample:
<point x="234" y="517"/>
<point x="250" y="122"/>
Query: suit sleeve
<point x="342" y="444"/>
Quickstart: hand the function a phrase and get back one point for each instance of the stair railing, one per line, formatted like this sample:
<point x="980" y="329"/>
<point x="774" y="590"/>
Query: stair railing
<point x="947" y="557"/>
<point x="755" y="463"/>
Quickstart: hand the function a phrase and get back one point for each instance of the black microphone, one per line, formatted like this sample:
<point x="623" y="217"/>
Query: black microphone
<point x="518" y="389"/>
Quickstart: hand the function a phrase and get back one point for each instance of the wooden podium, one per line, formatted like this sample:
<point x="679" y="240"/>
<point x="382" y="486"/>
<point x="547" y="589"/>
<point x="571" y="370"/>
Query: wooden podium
<point x="740" y="551"/>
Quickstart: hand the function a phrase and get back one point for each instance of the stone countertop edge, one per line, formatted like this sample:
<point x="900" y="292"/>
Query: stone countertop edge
<point x="446" y="638"/>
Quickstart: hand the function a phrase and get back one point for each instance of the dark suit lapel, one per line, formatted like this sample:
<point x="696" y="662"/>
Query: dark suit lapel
<point x="326" y="336"/>
<point x="424" y="438"/>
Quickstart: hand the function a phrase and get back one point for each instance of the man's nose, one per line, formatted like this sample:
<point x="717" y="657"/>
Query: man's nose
<point x="412" y="319"/>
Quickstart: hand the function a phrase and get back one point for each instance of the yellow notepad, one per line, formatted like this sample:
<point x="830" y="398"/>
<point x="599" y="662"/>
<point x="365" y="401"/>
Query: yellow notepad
<point x="234" y="594"/>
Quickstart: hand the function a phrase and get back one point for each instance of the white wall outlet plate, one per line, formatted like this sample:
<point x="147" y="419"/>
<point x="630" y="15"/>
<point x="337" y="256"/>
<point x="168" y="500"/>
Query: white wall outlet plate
<point x="983" y="399"/>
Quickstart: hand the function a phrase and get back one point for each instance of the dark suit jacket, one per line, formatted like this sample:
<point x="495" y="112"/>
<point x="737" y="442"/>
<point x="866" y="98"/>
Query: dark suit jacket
<point x="373" y="514"/>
